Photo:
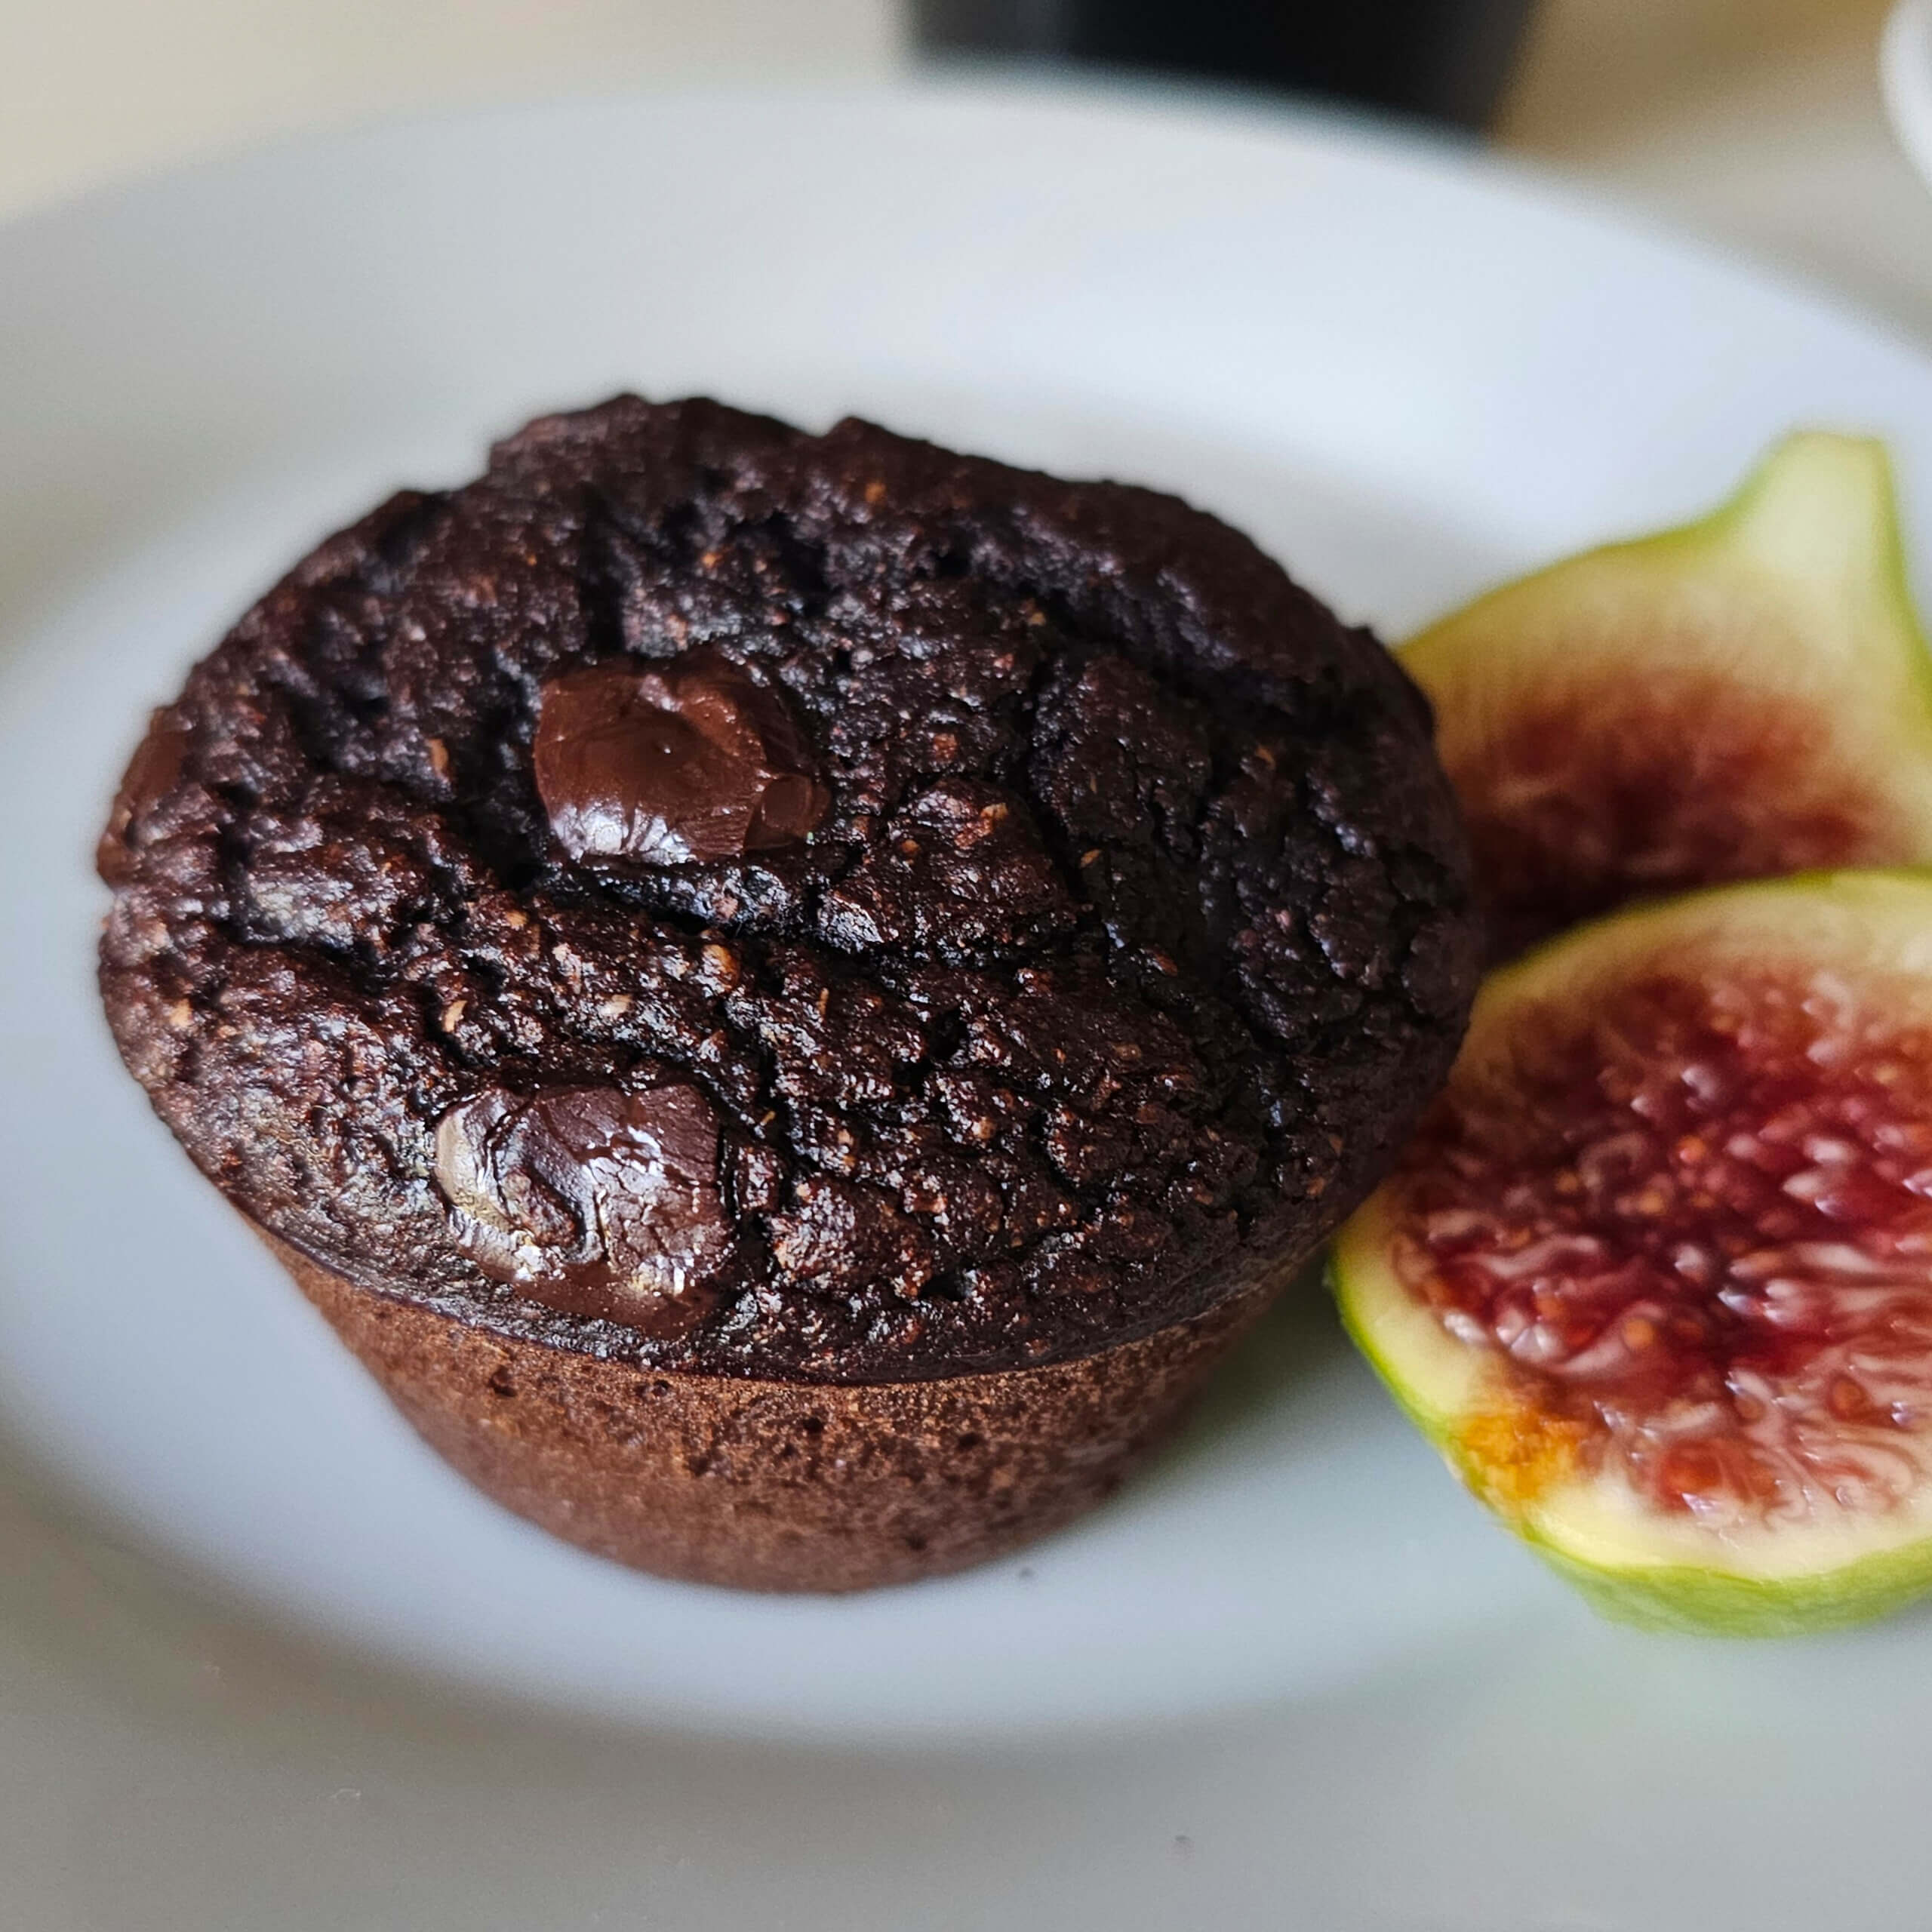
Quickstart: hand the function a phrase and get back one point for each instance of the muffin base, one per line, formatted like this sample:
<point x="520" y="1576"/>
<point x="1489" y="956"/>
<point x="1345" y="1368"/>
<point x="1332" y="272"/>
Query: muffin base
<point x="769" y="1485"/>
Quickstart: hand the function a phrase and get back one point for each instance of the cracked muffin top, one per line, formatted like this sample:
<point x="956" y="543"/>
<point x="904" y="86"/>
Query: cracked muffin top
<point x="817" y="907"/>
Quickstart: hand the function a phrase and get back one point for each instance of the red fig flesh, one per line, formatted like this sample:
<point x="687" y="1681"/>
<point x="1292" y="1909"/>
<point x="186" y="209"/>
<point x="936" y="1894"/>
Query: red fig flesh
<point x="1657" y="1273"/>
<point x="1747" y="696"/>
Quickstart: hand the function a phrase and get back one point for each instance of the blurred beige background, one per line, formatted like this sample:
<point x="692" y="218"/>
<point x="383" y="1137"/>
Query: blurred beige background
<point x="90" y="89"/>
<point x="1757" y="122"/>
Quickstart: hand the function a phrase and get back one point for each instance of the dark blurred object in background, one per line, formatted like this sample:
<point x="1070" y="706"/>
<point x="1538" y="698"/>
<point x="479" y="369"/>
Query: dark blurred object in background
<point x="1442" y="59"/>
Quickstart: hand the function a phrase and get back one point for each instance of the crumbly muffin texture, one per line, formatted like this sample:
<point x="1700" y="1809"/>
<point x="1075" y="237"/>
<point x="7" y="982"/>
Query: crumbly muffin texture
<point x="997" y="912"/>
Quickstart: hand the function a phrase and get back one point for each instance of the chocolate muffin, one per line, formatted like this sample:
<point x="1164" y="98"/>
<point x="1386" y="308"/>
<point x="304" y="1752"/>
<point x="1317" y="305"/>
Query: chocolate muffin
<point x="787" y="994"/>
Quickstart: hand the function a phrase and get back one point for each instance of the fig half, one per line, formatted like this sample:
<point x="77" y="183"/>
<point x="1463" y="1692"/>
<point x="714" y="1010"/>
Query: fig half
<point x="1655" y="1273"/>
<point x="1745" y="697"/>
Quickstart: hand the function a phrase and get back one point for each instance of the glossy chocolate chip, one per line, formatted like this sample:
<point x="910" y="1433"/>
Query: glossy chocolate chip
<point x="599" y="1201"/>
<point x="666" y="765"/>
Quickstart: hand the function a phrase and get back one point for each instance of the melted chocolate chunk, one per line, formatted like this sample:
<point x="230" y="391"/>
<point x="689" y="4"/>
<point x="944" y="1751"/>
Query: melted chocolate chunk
<point x="599" y="1201"/>
<point x="666" y="765"/>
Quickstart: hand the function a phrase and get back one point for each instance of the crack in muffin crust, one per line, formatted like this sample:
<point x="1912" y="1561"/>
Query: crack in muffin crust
<point x="1131" y="933"/>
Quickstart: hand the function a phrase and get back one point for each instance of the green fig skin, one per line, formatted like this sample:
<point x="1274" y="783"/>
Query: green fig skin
<point x="1653" y="1569"/>
<point x="1704" y="1603"/>
<point x="1745" y="697"/>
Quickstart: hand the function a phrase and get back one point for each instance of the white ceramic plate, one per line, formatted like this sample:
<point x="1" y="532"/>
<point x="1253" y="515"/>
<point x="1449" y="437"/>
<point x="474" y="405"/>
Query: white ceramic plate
<point x="263" y="1662"/>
